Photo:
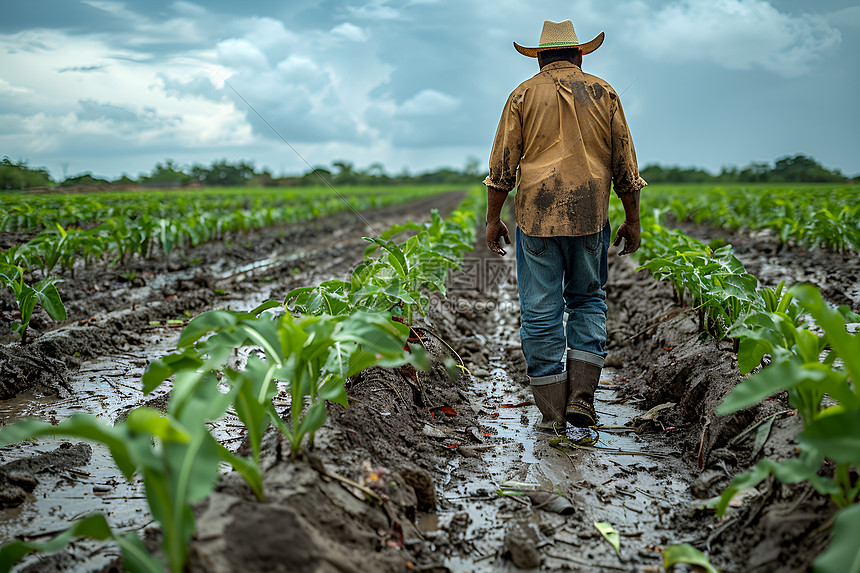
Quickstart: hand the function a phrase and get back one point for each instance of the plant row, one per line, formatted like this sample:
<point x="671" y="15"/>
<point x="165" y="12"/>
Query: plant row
<point x="235" y="361"/>
<point x="34" y="212"/>
<point x="814" y="352"/>
<point x="813" y="216"/>
<point x="150" y="232"/>
<point x="707" y="276"/>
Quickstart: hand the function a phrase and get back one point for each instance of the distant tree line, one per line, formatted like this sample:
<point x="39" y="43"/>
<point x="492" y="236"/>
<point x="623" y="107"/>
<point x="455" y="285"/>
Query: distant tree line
<point x="797" y="169"/>
<point x="18" y="175"/>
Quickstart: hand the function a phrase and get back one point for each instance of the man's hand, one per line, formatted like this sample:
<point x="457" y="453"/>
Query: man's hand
<point x="495" y="231"/>
<point x="629" y="231"/>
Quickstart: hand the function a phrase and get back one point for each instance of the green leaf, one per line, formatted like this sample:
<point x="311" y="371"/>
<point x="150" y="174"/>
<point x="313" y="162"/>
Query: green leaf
<point x="846" y="345"/>
<point x="392" y="290"/>
<point x="313" y="419"/>
<point x="26" y="304"/>
<point x="265" y="333"/>
<point x="153" y="422"/>
<point x="843" y="554"/>
<point x="163" y="368"/>
<point x="381" y="341"/>
<point x="195" y="466"/>
<point x="674" y="554"/>
<point x="740" y="286"/>
<point x="204" y="323"/>
<point x="774" y="378"/>
<point x="836" y="434"/>
<point x="612" y="536"/>
<point x="333" y="390"/>
<point x="251" y="407"/>
<point x="248" y="469"/>
<point x="762" y="434"/>
<point x="190" y="474"/>
<point x="848" y="314"/>
<point x="750" y="353"/>
<point x="269" y="304"/>
<point x="186" y="385"/>
<point x="396" y="258"/>
<point x="48" y="297"/>
<point x="79" y="425"/>
<point x="803" y="468"/>
<point x="135" y="557"/>
<point x="395" y="229"/>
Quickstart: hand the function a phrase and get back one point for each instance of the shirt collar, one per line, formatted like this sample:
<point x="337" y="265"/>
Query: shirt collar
<point x="559" y="65"/>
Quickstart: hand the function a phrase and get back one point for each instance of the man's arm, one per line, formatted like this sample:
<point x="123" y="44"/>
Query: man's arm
<point x="504" y="160"/>
<point x="630" y="228"/>
<point x="626" y="181"/>
<point x="495" y="228"/>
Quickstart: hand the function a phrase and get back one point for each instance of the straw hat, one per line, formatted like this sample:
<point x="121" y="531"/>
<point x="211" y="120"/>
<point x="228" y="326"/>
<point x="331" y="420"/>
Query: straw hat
<point x="559" y="35"/>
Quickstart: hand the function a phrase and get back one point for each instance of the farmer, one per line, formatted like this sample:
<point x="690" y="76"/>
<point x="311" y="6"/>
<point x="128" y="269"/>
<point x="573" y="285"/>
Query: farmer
<point x="562" y="141"/>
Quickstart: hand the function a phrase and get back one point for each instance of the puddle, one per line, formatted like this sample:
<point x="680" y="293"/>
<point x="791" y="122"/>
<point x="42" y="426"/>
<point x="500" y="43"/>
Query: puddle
<point x="604" y="484"/>
<point x="107" y="387"/>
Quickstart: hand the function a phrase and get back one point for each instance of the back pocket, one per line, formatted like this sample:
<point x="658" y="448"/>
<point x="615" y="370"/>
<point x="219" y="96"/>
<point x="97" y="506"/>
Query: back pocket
<point x="593" y="243"/>
<point x="534" y="245"/>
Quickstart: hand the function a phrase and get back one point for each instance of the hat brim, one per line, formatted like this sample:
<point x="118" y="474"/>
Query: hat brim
<point x="585" y="48"/>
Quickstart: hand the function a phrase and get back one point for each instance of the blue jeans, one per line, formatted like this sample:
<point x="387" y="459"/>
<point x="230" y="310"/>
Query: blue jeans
<point x="554" y="275"/>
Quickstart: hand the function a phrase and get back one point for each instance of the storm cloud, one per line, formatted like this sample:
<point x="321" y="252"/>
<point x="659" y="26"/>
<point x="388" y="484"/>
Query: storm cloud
<point x="114" y="86"/>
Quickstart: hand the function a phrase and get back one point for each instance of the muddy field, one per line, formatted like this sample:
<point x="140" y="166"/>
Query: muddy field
<point x="437" y="451"/>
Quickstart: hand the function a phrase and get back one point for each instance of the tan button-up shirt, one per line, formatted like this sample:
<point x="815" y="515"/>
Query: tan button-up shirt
<point x="566" y="132"/>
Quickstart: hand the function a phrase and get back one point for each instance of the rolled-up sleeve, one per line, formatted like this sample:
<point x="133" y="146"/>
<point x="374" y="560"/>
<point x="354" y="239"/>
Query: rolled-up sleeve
<point x="625" y="169"/>
<point x="507" y="147"/>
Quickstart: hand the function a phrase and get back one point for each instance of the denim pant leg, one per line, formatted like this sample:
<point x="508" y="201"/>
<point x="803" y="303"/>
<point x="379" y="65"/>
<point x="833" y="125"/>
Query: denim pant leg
<point x="586" y="271"/>
<point x="539" y="279"/>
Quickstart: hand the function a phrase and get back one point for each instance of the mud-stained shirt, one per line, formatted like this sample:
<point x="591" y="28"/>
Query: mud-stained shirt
<point x="563" y="141"/>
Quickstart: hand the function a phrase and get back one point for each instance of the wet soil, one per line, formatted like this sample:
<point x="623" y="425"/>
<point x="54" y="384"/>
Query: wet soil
<point x="653" y="484"/>
<point x="437" y="451"/>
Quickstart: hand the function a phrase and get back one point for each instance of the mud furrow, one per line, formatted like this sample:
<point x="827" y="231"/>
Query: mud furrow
<point x="446" y="448"/>
<point x="109" y="314"/>
<point x="94" y="365"/>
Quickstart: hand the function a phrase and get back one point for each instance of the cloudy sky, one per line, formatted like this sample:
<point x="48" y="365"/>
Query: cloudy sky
<point x="114" y="87"/>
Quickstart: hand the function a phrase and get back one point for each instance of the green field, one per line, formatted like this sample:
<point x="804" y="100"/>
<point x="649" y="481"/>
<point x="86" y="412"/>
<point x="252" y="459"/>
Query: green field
<point x="33" y="211"/>
<point x="808" y="214"/>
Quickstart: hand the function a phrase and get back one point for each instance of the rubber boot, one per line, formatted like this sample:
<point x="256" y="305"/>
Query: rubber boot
<point x="550" y="393"/>
<point x="583" y="375"/>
